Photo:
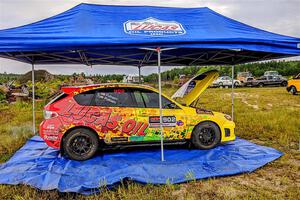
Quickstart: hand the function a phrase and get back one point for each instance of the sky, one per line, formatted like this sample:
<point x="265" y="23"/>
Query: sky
<point x="279" y="16"/>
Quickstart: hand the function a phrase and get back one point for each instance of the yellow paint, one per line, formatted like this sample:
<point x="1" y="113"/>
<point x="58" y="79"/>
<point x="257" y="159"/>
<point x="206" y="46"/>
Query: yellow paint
<point x="295" y="82"/>
<point x="185" y="114"/>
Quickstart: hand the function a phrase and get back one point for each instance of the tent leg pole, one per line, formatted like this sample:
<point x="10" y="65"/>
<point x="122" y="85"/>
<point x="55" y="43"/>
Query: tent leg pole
<point x="139" y="74"/>
<point x="232" y="92"/>
<point x="160" y="107"/>
<point x="33" y="100"/>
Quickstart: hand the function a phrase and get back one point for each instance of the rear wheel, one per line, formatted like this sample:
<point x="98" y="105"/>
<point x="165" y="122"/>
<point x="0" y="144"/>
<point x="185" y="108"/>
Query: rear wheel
<point x="206" y="135"/>
<point x="261" y="85"/>
<point x="80" y="144"/>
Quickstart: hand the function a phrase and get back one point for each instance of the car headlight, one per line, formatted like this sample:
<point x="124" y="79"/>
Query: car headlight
<point x="228" y="117"/>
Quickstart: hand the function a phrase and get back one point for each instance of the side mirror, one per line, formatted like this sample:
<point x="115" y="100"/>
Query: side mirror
<point x="170" y="105"/>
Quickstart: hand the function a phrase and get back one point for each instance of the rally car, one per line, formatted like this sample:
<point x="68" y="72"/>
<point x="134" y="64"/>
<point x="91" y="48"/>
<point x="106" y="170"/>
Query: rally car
<point x="82" y="119"/>
<point x="294" y="85"/>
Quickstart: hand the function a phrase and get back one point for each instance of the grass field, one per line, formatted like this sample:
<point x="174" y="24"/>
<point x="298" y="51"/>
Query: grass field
<point x="266" y="116"/>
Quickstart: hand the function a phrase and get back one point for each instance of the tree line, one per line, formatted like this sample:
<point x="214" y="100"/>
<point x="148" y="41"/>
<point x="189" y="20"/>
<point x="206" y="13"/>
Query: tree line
<point x="285" y="68"/>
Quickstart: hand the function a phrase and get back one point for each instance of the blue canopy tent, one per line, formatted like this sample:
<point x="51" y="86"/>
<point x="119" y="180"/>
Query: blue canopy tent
<point x="142" y="36"/>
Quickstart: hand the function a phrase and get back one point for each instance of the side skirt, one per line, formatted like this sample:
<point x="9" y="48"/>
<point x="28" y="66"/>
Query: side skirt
<point x="123" y="145"/>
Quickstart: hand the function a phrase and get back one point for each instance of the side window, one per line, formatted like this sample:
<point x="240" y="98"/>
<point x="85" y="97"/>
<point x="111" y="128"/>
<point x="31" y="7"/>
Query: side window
<point x="85" y="98"/>
<point x="114" y="97"/>
<point x="150" y="99"/>
<point x="139" y="99"/>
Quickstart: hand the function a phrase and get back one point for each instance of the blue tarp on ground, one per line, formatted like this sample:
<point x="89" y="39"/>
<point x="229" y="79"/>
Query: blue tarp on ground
<point x="42" y="167"/>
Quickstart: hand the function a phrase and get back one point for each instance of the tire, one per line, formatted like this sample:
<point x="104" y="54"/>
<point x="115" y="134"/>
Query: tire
<point x="293" y="90"/>
<point x="260" y="85"/>
<point x="221" y="85"/>
<point x="236" y="84"/>
<point x="284" y="84"/>
<point x="80" y="144"/>
<point x="206" y="135"/>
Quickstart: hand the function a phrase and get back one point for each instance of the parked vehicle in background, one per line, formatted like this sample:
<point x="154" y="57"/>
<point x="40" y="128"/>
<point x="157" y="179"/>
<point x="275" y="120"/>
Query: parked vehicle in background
<point x="248" y="81"/>
<point x="242" y="76"/>
<point x="271" y="73"/>
<point x="225" y="81"/>
<point x="267" y="81"/>
<point x="294" y="85"/>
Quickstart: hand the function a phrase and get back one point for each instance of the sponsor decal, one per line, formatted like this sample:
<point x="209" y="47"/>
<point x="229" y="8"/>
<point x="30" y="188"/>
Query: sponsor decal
<point x="153" y="27"/>
<point x="190" y="87"/>
<point x="107" y="120"/>
<point x="298" y="45"/>
<point x="50" y="126"/>
<point x="51" y="137"/>
<point x="119" y="139"/>
<point x="180" y="123"/>
<point x="167" y="121"/>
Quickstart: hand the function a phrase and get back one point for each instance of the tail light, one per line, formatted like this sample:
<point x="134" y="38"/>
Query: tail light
<point x="49" y="114"/>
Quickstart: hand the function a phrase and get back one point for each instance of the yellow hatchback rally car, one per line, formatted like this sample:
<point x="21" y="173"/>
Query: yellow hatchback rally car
<point x="81" y="118"/>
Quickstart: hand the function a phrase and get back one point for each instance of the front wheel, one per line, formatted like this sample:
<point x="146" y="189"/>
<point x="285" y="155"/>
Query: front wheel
<point x="293" y="90"/>
<point x="206" y="135"/>
<point x="80" y="144"/>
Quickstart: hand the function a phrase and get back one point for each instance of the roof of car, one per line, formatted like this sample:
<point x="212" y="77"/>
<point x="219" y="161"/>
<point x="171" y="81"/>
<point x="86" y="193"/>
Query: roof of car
<point x="83" y="88"/>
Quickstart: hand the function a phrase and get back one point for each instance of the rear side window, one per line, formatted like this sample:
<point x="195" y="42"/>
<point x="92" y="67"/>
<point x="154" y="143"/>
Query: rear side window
<point x="115" y="97"/>
<point x="57" y="98"/>
<point x="85" y="98"/>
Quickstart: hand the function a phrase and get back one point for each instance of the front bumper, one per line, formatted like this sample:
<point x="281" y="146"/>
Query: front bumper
<point x="228" y="133"/>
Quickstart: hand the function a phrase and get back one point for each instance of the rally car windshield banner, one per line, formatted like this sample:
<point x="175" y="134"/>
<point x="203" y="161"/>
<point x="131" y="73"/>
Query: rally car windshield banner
<point x="153" y="27"/>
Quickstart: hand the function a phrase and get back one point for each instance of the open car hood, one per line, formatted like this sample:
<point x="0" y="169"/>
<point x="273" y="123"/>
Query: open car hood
<point x="192" y="89"/>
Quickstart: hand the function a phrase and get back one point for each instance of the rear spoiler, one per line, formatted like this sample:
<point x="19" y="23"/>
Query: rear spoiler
<point x="69" y="90"/>
<point x="77" y="89"/>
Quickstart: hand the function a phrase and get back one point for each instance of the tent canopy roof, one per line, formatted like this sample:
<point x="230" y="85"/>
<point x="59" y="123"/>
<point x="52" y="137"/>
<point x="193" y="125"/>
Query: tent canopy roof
<point x="120" y="35"/>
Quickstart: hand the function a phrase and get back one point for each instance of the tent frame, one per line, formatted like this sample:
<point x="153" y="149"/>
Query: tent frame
<point x="95" y="58"/>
